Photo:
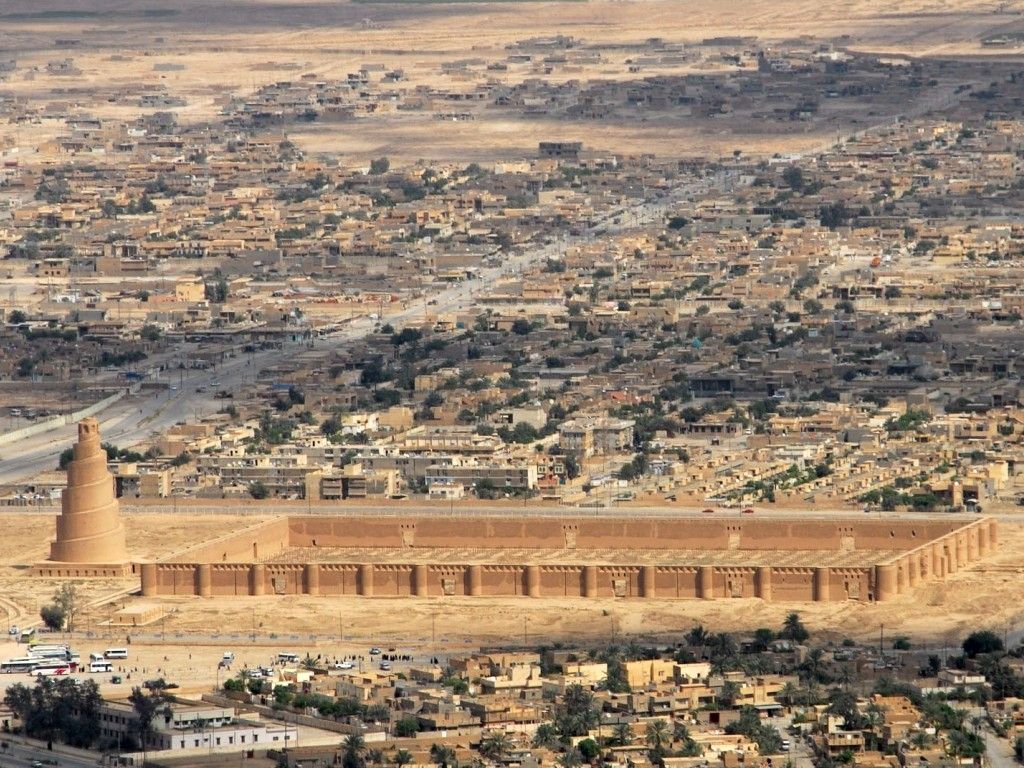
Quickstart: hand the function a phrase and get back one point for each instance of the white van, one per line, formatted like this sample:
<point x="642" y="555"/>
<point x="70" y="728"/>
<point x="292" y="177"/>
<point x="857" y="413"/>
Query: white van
<point x="100" y="666"/>
<point x="288" y="658"/>
<point x="96" y="656"/>
<point x="228" y="656"/>
<point x="115" y="653"/>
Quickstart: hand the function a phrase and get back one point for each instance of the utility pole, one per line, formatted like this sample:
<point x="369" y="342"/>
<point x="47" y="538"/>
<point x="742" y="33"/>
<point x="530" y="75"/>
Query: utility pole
<point x="881" y="646"/>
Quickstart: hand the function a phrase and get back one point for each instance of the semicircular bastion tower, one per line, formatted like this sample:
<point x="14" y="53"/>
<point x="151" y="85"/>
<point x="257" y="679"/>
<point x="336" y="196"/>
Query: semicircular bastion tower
<point x="90" y="536"/>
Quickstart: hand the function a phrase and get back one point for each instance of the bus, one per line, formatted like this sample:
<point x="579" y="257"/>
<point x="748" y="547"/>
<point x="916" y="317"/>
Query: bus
<point x="288" y="658"/>
<point x="115" y="653"/>
<point x="56" y="669"/>
<point x="28" y="635"/>
<point x="100" y="666"/>
<point x="12" y="666"/>
<point x="32" y="647"/>
<point x="50" y="652"/>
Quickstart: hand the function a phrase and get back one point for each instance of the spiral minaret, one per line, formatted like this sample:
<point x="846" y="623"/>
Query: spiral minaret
<point x="89" y="528"/>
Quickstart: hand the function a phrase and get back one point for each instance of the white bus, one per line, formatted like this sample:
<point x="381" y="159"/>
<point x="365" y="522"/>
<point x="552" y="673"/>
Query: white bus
<point x="100" y="666"/>
<point x="19" y="665"/>
<point x="53" y="670"/>
<point x="115" y="653"/>
<point x="288" y="658"/>
<point x="50" y="652"/>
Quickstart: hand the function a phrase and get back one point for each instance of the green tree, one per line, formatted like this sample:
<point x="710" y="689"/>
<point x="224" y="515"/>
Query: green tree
<point x="622" y="735"/>
<point x="794" y="629"/>
<point x="729" y="693"/>
<point x="794" y="178"/>
<point x="353" y="753"/>
<point x="145" y="706"/>
<point x="546" y="736"/>
<point x="589" y="750"/>
<point x="575" y="714"/>
<point x="443" y="755"/>
<point x="495" y="745"/>
<point x="617" y="680"/>
<point x="379" y="165"/>
<point x="749" y="724"/>
<point x="53" y="617"/>
<point x="259" y="490"/>
<point x="407" y="726"/>
<point x="151" y="332"/>
<point x="688" y="747"/>
<point x="980" y="642"/>
<point x="67" y="598"/>
<point x="658" y="738"/>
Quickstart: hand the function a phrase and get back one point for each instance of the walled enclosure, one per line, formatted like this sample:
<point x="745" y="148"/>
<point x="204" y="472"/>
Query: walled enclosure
<point x="769" y="558"/>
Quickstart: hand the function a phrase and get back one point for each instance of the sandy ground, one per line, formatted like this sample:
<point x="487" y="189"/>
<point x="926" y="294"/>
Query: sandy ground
<point x="235" y="47"/>
<point x="186" y="643"/>
<point x="987" y="594"/>
<point x="26" y="541"/>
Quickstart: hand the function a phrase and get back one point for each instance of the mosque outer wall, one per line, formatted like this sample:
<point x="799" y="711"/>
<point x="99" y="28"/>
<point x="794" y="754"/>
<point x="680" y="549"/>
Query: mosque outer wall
<point x="232" y="565"/>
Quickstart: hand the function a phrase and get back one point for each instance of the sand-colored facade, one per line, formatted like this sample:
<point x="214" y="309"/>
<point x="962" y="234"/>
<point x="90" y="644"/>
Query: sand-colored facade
<point x="434" y="556"/>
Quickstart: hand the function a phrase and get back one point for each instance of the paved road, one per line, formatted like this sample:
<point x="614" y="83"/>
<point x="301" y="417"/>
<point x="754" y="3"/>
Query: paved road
<point x="998" y="751"/>
<point x="24" y="755"/>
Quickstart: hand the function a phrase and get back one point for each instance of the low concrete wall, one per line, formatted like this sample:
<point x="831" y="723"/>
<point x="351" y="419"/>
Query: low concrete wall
<point x="293" y="718"/>
<point x="60" y="421"/>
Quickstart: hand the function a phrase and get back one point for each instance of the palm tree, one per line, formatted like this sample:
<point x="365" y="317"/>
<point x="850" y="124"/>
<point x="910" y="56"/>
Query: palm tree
<point x="375" y="756"/>
<point x="794" y="629"/>
<point x="814" y="667"/>
<point x="658" y="738"/>
<point x="353" y="748"/>
<point x="680" y="731"/>
<point x="875" y="715"/>
<point x="788" y="693"/>
<point x="570" y="759"/>
<point x="698" y="638"/>
<point x="495" y="745"/>
<point x="443" y="755"/>
<point x="687" y="746"/>
<point x="729" y="693"/>
<point x="403" y="757"/>
<point x="546" y="736"/>
<point x="920" y="740"/>
<point x="622" y="734"/>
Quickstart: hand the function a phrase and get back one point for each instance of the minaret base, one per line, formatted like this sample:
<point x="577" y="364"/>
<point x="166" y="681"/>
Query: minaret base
<point x="50" y="569"/>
